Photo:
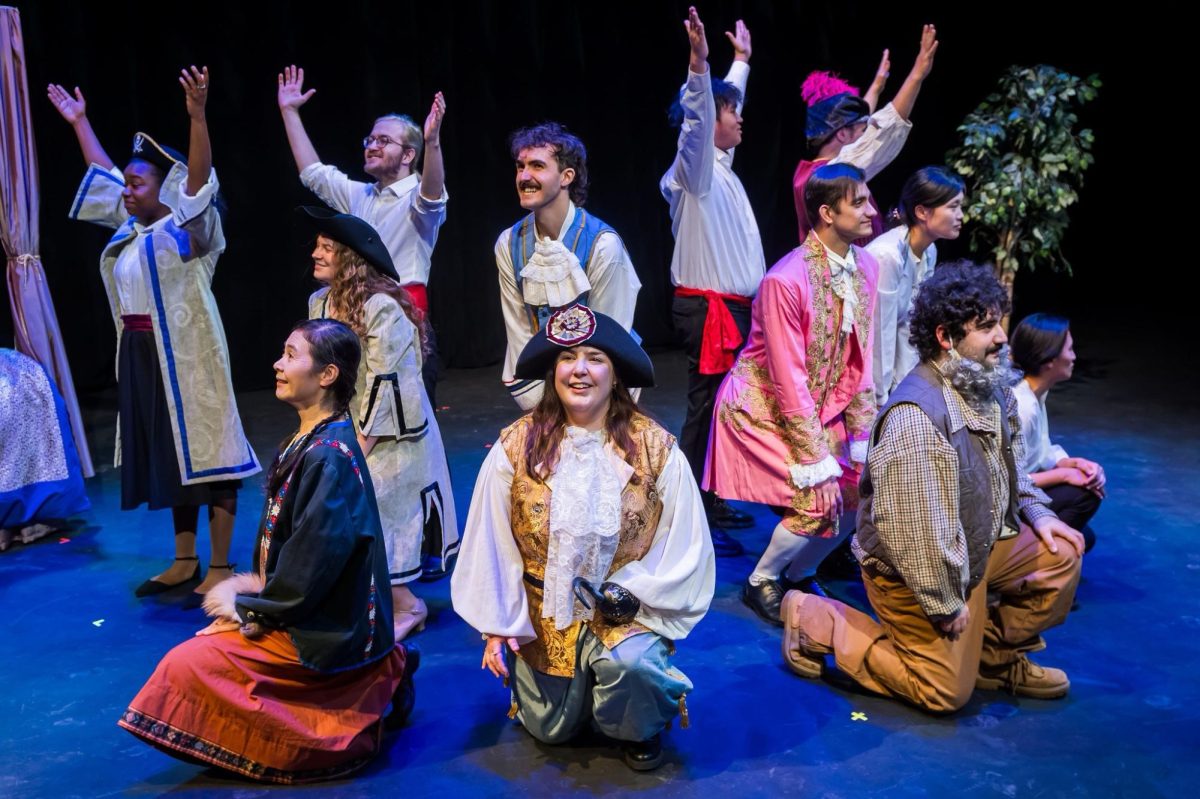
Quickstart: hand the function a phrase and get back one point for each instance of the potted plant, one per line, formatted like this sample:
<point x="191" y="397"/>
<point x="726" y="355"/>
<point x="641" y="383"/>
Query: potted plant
<point x="1023" y="161"/>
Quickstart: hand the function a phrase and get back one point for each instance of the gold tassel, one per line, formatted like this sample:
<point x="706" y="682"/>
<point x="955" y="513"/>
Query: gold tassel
<point x="512" y="709"/>
<point x="684" y="722"/>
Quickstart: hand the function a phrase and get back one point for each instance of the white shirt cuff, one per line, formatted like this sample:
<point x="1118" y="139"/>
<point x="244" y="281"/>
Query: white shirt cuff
<point x="807" y="475"/>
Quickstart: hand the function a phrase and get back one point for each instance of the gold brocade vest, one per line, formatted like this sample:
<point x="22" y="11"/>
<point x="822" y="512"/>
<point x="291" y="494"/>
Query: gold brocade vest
<point x="553" y="651"/>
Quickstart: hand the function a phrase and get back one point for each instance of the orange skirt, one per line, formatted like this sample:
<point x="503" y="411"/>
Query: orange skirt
<point x="252" y="708"/>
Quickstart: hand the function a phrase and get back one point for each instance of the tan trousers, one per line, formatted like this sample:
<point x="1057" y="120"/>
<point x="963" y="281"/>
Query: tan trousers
<point x="904" y="656"/>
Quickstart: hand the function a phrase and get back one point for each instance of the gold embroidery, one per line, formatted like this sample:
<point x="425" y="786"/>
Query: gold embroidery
<point x="860" y="415"/>
<point x="757" y="407"/>
<point x="553" y="651"/>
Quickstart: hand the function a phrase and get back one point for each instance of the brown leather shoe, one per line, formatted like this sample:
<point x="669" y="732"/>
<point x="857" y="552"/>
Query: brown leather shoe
<point x="1023" y="677"/>
<point x="800" y="654"/>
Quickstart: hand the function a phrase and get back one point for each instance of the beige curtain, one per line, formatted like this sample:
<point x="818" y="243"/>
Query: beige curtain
<point x="36" y="324"/>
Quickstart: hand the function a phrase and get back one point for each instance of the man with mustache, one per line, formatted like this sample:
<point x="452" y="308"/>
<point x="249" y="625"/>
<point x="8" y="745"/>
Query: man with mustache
<point x="559" y="254"/>
<point x="961" y="587"/>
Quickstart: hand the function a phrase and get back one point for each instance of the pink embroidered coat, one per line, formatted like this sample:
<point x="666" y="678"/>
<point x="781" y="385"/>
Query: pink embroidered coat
<point x="801" y="389"/>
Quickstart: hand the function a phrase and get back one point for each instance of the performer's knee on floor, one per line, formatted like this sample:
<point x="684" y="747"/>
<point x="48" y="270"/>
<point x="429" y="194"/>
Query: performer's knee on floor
<point x="549" y="737"/>
<point x="945" y="699"/>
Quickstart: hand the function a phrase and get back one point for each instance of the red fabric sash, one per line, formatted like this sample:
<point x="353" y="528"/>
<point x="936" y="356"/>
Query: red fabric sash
<point x="137" y="322"/>
<point x="419" y="297"/>
<point x="721" y="337"/>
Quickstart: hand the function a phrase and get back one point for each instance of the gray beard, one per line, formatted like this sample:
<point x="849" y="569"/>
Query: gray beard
<point x="979" y="383"/>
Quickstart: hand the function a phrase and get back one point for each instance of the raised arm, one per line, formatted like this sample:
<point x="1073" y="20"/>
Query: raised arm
<point x="195" y="89"/>
<point x="740" y="39"/>
<point x="907" y="96"/>
<point x="876" y="87"/>
<point x="433" y="173"/>
<point x="291" y="96"/>
<point x="694" y="165"/>
<point x="74" y="111"/>
<point x="697" y="41"/>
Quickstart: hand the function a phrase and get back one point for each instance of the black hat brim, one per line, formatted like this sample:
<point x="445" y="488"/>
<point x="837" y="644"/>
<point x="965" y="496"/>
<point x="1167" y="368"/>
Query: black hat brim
<point x="351" y="231"/>
<point x="633" y="366"/>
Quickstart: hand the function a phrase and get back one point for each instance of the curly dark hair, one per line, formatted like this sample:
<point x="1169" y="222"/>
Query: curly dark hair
<point x="569" y="152"/>
<point x="955" y="295"/>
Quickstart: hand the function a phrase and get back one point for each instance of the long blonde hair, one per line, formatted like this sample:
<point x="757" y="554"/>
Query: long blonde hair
<point x="354" y="283"/>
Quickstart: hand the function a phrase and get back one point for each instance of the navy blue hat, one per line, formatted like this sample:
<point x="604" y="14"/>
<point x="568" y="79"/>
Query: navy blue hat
<point x="826" y="117"/>
<point x="354" y="233"/>
<point x="147" y="149"/>
<point x="578" y="325"/>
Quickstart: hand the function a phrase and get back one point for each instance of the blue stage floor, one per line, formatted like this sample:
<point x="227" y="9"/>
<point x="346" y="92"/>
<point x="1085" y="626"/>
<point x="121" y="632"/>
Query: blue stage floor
<point x="76" y="645"/>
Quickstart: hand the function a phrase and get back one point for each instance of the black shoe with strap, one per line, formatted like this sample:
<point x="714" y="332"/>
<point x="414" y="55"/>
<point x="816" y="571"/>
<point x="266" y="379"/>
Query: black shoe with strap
<point x="151" y="587"/>
<point x="193" y="600"/>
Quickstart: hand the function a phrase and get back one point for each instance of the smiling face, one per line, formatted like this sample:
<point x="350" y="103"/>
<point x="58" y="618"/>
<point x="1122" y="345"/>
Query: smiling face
<point x="297" y="381"/>
<point x="851" y="216"/>
<point x="385" y="156"/>
<point x="983" y="340"/>
<point x="325" y="260"/>
<point x="583" y="380"/>
<point x="539" y="180"/>
<point x="143" y="181"/>
<point x="728" y="132"/>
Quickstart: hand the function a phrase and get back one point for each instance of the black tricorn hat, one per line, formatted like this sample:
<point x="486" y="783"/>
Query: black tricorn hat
<point x="147" y="149"/>
<point x="352" y="231"/>
<point x="578" y="325"/>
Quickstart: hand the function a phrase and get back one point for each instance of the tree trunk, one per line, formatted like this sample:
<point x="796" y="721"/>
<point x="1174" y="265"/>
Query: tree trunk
<point x="1006" y="270"/>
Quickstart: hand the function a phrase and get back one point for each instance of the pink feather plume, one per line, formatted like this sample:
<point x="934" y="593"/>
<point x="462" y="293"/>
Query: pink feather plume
<point x="820" y="85"/>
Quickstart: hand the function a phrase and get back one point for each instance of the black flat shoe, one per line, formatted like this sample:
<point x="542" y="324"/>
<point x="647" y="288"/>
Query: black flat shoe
<point x="644" y="755"/>
<point x="406" y="693"/>
<point x="725" y="515"/>
<point x="725" y="546"/>
<point x="152" y="587"/>
<point x="764" y="600"/>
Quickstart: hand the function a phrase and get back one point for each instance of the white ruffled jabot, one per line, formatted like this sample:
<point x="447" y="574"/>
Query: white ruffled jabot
<point x="585" y="518"/>
<point x="552" y="275"/>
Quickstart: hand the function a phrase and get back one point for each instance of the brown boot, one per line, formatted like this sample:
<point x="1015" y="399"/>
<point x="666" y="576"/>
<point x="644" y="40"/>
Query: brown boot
<point x="1023" y="677"/>
<point x="801" y="654"/>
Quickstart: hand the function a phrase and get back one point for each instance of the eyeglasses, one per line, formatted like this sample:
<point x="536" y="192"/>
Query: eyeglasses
<point x="382" y="141"/>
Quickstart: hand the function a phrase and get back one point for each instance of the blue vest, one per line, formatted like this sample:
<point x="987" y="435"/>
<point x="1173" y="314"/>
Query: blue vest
<point x="580" y="239"/>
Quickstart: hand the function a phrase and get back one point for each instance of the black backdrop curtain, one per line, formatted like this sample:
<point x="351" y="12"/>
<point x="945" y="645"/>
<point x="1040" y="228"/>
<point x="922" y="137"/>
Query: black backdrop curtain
<point x="607" y="70"/>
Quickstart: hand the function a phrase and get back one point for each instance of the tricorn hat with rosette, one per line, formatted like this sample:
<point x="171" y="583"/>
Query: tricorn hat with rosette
<point x="577" y="325"/>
